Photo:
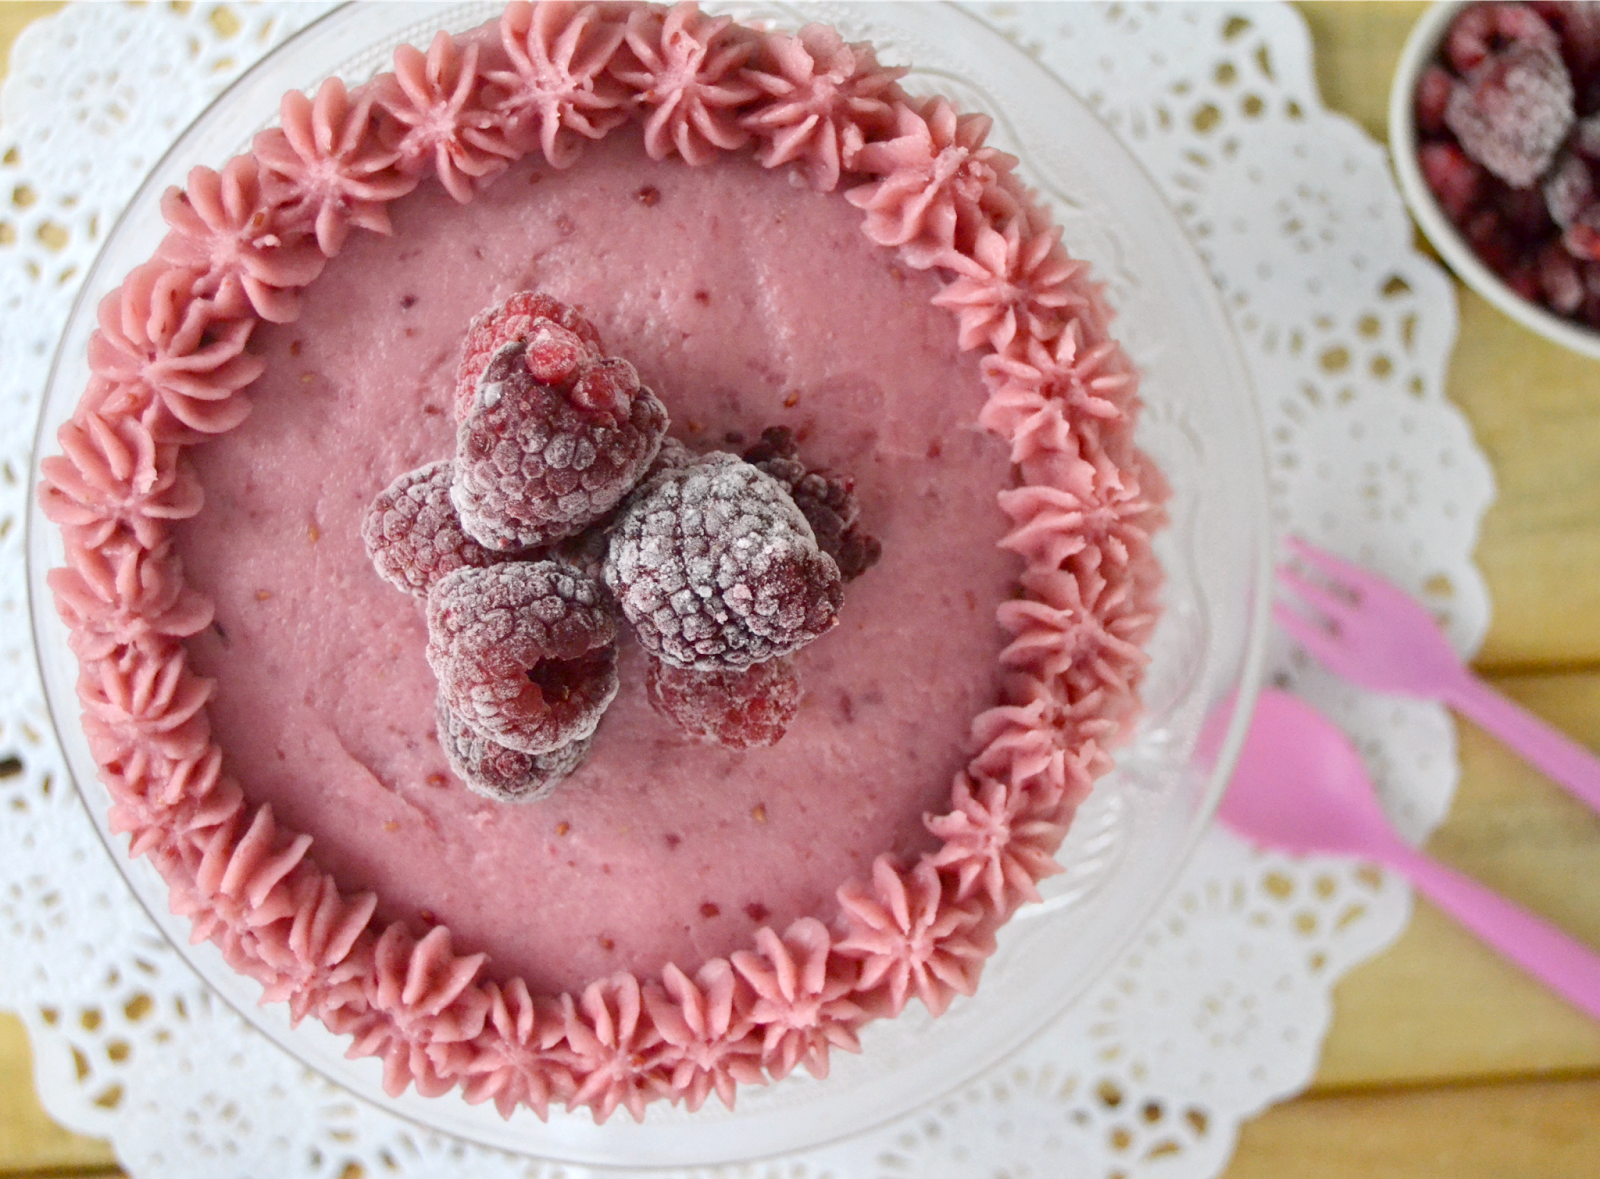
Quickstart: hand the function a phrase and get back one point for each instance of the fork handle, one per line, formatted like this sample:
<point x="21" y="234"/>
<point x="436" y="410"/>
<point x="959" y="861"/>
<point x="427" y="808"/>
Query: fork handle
<point x="1566" y="966"/>
<point x="1556" y="755"/>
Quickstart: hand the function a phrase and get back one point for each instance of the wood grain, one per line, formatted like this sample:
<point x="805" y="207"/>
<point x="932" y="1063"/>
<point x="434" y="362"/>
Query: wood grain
<point x="29" y="1140"/>
<point x="1547" y="1130"/>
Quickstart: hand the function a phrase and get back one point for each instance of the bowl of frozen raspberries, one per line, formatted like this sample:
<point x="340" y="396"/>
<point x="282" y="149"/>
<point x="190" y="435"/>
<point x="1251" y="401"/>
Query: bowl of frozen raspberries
<point x="1494" y="129"/>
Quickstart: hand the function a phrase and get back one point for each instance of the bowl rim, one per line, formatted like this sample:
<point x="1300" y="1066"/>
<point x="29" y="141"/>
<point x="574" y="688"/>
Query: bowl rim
<point x="1418" y="50"/>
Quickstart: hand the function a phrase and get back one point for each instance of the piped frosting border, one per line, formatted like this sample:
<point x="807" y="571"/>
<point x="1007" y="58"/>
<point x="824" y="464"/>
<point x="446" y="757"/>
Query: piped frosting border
<point x="170" y="368"/>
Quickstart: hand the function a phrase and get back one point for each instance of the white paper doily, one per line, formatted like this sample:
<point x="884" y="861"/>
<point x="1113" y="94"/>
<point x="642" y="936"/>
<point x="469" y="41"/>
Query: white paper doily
<point x="1220" y="1006"/>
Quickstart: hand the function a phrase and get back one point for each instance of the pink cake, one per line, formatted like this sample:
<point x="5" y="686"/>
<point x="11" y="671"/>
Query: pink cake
<point x="774" y="234"/>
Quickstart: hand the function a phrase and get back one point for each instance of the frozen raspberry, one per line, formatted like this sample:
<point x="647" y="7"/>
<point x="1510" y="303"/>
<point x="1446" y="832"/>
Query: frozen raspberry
<point x="735" y="709"/>
<point x="716" y="568"/>
<point x="1582" y="237"/>
<point x="1568" y="190"/>
<point x="827" y="501"/>
<point x="1512" y="111"/>
<point x="553" y="330"/>
<point x="1485" y="29"/>
<point x="534" y="465"/>
<point x="1522" y="209"/>
<point x="501" y="773"/>
<point x="1560" y="281"/>
<point x="1486" y="233"/>
<point x="1433" y="94"/>
<point x="672" y="456"/>
<point x="412" y="534"/>
<point x="1456" y="182"/>
<point x="1586" y="138"/>
<point x="1577" y="26"/>
<point x="524" y="652"/>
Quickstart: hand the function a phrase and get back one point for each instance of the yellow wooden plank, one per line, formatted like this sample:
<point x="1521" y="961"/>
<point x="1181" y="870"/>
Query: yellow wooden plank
<point x="1535" y="409"/>
<point x="1548" y="1130"/>
<point x="1357" y="46"/>
<point x="29" y="1140"/>
<point x="14" y="14"/>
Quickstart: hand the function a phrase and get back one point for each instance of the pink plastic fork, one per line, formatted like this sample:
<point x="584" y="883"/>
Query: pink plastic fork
<point x="1375" y="635"/>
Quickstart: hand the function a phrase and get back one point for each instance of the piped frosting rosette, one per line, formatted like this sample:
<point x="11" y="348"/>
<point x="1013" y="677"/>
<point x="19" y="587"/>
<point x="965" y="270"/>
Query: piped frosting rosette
<point x="171" y="367"/>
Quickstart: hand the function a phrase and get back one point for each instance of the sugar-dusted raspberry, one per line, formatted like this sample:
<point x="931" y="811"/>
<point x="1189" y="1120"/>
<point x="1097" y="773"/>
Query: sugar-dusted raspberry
<point x="1512" y="111"/>
<point x="1484" y="29"/>
<point x="412" y="533"/>
<point x="525" y="652"/>
<point x="1433" y="94"/>
<point x="1486" y="232"/>
<point x="516" y="320"/>
<point x="827" y="501"/>
<point x="1456" y="181"/>
<point x="534" y="466"/>
<point x="1560" y="280"/>
<point x="585" y="552"/>
<point x="715" y="567"/>
<point x="672" y="456"/>
<point x="1577" y="26"/>
<point x="499" y="772"/>
<point x="1586" y="136"/>
<point x="1582" y="237"/>
<point x="1568" y="190"/>
<point x="737" y="709"/>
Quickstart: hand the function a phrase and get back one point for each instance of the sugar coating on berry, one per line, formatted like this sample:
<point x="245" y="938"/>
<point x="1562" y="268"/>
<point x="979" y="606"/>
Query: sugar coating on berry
<point x="1456" y="181"/>
<point x="1512" y="111"/>
<point x="1568" y="190"/>
<point x="827" y="500"/>
<point x="737" y="709"/>
<point x="496" y="771"/>
<point x="412" y="533"/>
<point x="524" y="652"/>
<point x="525" y="316"/>
<point x="534" y="467"/>
<point x="715" y="567"/>
<point x="672" y="456"/>
<point x="1483" y="29"/>
<point x="1433" y="94"/>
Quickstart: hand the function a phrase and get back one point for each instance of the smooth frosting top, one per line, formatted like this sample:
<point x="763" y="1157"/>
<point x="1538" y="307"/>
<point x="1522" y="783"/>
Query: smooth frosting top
<point x="171" y="368"/>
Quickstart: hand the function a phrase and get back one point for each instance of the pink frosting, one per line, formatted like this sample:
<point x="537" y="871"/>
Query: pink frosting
<point x="686" y="72"/>
<point x="826" y="97"/>
<point x="324" y="166"/>
<point x="437" y="100"/>
<point x="558" y="91"/>
<point x="939" y="183"/>
<point x="169" y="365"/>
<point x="244" y="254"/>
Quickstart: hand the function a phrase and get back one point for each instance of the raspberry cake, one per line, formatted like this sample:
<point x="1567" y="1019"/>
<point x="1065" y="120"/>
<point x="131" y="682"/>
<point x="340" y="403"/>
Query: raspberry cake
<point x="839" y="297"/>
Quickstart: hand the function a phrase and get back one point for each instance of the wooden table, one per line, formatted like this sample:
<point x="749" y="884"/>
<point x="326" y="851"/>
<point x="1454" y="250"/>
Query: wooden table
<point x="1442" y="1061"/>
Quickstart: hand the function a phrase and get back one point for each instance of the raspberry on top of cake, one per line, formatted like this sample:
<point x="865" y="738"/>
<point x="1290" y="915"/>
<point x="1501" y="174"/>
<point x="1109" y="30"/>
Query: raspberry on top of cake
<point x="746" y="216"/>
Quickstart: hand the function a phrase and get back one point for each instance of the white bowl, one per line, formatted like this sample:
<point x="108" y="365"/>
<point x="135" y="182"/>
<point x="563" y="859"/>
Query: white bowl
<point x="1131" y="838"/>
<point x="1419" y="51"/>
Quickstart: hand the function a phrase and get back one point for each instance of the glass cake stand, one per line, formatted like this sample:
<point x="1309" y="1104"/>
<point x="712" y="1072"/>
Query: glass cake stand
<point x="1134" y="834"/>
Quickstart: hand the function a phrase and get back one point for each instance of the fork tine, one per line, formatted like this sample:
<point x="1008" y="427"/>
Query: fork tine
<point x="1318" y="596"/>
<point x="1318" y="642"/>
<point x="1334" y="568"/>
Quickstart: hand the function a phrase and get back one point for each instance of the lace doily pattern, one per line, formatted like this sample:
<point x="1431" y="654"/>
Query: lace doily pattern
<point x="1346" y="331"/>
